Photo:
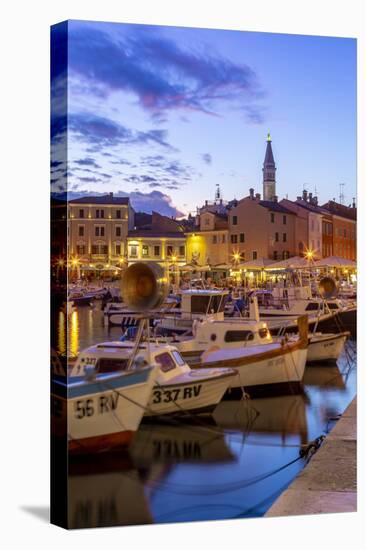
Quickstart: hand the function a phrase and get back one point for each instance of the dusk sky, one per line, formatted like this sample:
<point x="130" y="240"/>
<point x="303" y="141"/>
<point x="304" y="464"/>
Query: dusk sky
<point x="163" y="114"/>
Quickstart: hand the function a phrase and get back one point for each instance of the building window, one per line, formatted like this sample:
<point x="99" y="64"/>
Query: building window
<point x="100" y="249"/>
<point x="99" y="231"/>
<point x="242" y="237"/>
<point x="81" y="231"/>
<point x="80" y="249"/>
<point x="235" y="220"/>
<point x="275" y="255"/>
<point x="81" y="213"/>
<point x="284" y="237"/>
<point x="99" y="213"/>
<point x="169" y="250"/>
<point x="118" y="231"/>
<point x="276" y="237"/>
<point x="133" y="251"/>
<point x="182" y="250"/>
<point x="234" y="239"/>
<point x="207" y="221"/>
<point x="254" y="254"/>
<point x="272" y="217"/>
<point x="224" y="238"/>
<point x="118" y="214"/>
<point x="214" y="239"/>
<point x="345" y="233"/>
<point x="285" y="254"/>
<point x="284" y="219"/>
<point x="156" y="250"/>
<point x="118" y="249"/>
<point x="145" y="250"/>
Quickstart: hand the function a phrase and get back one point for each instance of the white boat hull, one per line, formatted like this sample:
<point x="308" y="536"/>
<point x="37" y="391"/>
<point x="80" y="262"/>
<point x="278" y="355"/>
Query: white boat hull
<point x="199" y="395"/>
<point x="106" y="413"/>
<point x="326" y="347"/>
<point x="285" y="368"/>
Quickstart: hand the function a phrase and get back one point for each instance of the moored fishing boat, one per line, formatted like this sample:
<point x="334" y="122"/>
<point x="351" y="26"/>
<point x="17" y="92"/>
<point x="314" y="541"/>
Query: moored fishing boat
<point x="278" y="364"/>
<point x="325" y="346"/>
<point x="178" y="389"/>
<point x="101" y="410"/>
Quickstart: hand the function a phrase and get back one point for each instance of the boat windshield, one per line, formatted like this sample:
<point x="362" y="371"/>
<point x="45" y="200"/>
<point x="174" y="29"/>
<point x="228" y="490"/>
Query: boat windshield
<point x="107" y="364"/>
<point x="165" y="361"/>
<point x="179" y="359"/>
<point x="208" y="304"/>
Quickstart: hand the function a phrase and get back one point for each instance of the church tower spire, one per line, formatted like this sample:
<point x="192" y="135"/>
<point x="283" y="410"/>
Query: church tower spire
<point x="269" y="172"/>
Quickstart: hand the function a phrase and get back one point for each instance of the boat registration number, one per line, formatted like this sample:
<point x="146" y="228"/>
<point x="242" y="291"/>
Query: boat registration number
<point x="100" y="405"/>
<point x="168" y="396"/>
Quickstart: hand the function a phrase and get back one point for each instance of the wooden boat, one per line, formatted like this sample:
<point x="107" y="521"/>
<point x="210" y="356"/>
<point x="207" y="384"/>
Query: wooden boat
<point x="100" y="410"/>
<point x="233" y="333"/>
<point x="177" y="389"/>
<point x="268" y="365"/>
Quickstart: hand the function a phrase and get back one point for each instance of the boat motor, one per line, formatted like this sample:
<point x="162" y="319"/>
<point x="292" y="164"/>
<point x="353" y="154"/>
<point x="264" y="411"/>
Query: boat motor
<point x="144" y="286"/>
<point x="327" y="288"/>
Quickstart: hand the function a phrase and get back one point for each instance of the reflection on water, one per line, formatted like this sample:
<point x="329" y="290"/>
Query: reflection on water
<point x="74" y="333"/>
<point x="61" y="333"/>
<point x="233" y="464"/>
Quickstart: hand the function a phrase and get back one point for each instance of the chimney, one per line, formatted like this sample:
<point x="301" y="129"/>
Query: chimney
<point x="315" y="201"/>
<point x="298" y="198"/>
<point x="305" y="195"/>
<point x="311" y="198"/>
<point x="275" y="198"/>
<point x="251" y="193"/>
<point x="111" y="195"/>
<point x="353" y="202"/>
<point x="206" y="203"/>
<point x="258" y="196"/>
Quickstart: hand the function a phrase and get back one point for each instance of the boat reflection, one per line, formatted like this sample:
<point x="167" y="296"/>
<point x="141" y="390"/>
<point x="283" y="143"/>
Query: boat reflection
<point x="325" y="377"/>
<point x="105" y="490"/>
<point x="177" y="443"/>
<point x="282" y="415"/>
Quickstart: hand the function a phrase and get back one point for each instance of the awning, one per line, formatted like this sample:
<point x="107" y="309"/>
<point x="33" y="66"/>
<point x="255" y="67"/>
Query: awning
<point x="336" y="261"/>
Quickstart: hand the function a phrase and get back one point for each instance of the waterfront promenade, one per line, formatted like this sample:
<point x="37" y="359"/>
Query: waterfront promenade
<point x="328" y="483"/>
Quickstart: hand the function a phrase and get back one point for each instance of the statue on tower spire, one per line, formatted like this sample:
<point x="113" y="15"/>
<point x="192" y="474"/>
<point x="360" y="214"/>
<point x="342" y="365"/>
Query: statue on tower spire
<point x="269" y="172"/>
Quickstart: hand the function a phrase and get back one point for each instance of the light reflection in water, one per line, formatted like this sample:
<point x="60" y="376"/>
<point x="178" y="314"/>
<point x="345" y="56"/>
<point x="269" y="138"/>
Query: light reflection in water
<point x="61" y="333"/>
<point x="74" y="333"/>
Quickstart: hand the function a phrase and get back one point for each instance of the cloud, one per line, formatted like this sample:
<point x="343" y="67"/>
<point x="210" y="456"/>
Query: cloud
<point x="102" y="132"/>
<point x="92" y="179"/>
<point x="141" y="202"/>
<point x="207" y="158"/>
<point x="88" y="161"/>
<point x="162" y="75"/>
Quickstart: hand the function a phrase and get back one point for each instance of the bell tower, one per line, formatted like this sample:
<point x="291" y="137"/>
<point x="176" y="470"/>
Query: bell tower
<point x="269" y="173"/>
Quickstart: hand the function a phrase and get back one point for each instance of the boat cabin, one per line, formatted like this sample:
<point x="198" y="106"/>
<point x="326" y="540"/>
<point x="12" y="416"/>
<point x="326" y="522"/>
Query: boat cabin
<point x="195" y="302"/>
<point x="108" y="357"/>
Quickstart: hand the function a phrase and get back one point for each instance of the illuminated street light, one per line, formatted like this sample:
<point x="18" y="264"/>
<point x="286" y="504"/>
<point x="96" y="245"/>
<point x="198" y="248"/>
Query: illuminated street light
<point x="236" y="256"/>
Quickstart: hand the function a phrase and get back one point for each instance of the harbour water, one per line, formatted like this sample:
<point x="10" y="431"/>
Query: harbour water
<point x="233" y="465"/>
